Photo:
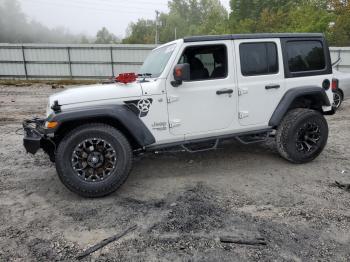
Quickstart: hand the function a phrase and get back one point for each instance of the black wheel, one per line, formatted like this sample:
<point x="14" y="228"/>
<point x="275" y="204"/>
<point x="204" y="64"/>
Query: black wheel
<point x="338" y="98"/>
<point x="94" y="160"/>
<point x="302" y="135"/>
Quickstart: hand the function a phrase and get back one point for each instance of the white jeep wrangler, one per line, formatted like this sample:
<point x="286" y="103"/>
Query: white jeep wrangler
<point x="191" y="93"/>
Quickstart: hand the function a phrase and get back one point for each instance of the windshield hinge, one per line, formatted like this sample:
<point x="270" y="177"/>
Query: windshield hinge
<point x="174" y="123"/>
<point x="242" y="91"/>
<point x="243" y="114"/>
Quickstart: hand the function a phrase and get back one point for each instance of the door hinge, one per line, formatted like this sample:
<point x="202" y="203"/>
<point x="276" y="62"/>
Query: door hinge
<point x="174" y="123"/>
<point x="242" y="91"/>
<point x="172" y="99"/>
<point x="243" y="114"/>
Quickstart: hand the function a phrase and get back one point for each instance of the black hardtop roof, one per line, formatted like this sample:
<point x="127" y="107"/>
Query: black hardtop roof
<point x="251" y="36"/>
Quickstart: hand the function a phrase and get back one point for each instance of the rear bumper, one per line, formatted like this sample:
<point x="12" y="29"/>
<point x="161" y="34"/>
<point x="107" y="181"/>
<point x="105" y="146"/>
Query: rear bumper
<point x="331" y="112"/>
<point x="33" y="135"/>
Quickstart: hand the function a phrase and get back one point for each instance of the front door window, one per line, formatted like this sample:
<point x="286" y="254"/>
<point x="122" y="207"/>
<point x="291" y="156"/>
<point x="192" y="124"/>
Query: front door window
<point x="206" y="62"/>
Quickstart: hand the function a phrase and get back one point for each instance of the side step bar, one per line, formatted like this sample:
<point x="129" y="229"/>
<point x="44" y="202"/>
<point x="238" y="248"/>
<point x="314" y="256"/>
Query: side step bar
<point x="208" y="144"/>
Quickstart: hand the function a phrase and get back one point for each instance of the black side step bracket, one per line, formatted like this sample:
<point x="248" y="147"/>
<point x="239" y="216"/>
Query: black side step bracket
<point x="251" y="139"/>
<point x="208" y="144"/>
<point x="196" y="148"/>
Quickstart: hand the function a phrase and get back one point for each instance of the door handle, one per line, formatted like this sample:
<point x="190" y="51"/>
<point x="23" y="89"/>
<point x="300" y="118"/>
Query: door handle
<point x="268" y="87"/>
<point x="224" y="91"/>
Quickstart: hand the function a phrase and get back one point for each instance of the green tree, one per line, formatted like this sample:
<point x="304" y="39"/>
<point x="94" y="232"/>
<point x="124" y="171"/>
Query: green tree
<point x="340" y="31"/>
<point x="141" y="32"/>
<point x="186" y="17"/>
<point x="198" y="17"/>
<point x="105" y="37"/>
<point x="285" y="16"/>
<point x="251" y="9"/>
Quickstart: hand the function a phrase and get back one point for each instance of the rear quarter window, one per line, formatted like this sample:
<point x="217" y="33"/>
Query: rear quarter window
<point x="305" y="56"/>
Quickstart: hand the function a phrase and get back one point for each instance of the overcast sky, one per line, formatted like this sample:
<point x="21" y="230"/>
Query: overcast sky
<point x="88" y="16"/>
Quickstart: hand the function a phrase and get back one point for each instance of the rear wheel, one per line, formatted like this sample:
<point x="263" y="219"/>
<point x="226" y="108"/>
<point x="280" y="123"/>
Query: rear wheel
<point x="338" y="98"/>
<point x="94" y="160"/>
<point x="302" y="135"/>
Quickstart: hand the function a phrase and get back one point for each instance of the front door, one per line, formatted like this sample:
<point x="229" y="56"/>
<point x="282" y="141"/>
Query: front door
<point x="206" y="103"/>
<point x="261" y="83"/>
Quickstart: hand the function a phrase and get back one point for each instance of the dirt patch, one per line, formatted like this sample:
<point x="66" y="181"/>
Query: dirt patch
<point x="6" y="120"/>
<point x="182" y="203"/>
<point x="194" y="211"/>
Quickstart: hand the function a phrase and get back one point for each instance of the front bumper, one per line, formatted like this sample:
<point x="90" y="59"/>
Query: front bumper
<point x="34" y="134"/>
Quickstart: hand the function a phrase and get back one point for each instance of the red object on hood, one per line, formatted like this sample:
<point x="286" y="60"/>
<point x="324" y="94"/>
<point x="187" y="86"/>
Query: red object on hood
<point x="126" y="78"/>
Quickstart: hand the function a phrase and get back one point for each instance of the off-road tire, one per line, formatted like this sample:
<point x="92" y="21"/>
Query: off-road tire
<point x="117" y="177"/>
<point x="287" y="135"/>
<point x="339" y="97"/>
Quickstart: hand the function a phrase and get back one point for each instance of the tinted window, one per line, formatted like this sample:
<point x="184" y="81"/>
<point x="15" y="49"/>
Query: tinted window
<point x="206" y="62"/>
<point x="305" y="56"/>
<point x="258" y="59"/>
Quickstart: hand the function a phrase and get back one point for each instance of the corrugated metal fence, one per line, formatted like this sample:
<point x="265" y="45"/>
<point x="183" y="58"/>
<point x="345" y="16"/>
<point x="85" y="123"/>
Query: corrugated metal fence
<point x="343" y="55"/>
<point x="46" y="61"/>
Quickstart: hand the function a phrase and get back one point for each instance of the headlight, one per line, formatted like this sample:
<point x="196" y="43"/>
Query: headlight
<point x="51" y="125"/>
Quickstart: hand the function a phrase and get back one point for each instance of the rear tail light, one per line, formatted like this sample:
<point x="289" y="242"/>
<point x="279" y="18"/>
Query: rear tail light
<point x="335" y="84"/>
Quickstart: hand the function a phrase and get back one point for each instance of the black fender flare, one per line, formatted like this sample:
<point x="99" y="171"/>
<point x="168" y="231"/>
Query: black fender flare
<point x="120" y="113"/>
<point x="291" y="95"/>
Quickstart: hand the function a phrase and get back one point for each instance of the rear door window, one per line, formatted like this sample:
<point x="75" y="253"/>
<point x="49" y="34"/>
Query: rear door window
<point x="305" y="56"/>
<point x="258" y="59"/>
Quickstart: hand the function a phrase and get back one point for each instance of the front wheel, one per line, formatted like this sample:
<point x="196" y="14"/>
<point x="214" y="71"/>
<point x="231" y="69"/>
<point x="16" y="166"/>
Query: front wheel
<point x="94" y="160"/>
<point x="302" y="135"/>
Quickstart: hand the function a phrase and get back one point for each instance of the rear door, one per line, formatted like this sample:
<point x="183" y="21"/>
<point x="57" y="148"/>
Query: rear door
<point x="261" y="82"/>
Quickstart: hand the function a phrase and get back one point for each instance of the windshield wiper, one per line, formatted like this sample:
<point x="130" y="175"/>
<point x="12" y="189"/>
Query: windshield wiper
<point x="145" y="75"/>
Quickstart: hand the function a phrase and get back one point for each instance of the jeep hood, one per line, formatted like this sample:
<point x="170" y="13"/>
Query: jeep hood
<point x="94" y="93"/>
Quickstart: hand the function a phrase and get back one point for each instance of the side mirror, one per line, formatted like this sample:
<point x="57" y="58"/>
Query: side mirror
<point x="181" y="73"/>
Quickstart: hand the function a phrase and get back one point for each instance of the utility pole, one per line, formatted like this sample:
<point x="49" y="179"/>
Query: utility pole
<point x="157" y="33"/>
<point x="175" y="33"/>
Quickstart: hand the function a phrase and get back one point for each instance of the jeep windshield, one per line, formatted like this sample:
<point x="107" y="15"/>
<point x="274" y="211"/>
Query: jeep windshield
<point x="156" y="61"/>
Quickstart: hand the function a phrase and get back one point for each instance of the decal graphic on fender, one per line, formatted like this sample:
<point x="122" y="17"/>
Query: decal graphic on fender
<point x="140" y="107"/>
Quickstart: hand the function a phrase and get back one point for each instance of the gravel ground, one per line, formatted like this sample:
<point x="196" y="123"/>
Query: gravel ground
<point x="182" y="203"/>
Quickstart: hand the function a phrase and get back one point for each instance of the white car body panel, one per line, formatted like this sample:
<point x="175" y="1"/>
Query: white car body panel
<point x="344" y="82"/>
<point x="198" y="109"/>
<point x="256" y="97"/>
<point x="95" y="95"/>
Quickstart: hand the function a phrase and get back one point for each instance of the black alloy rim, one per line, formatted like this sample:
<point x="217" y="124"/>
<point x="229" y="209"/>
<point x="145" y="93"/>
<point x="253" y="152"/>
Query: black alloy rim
<point x="337" y="100"/>
<point x="308" y="137"/>
<point x="94" y="160"/>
